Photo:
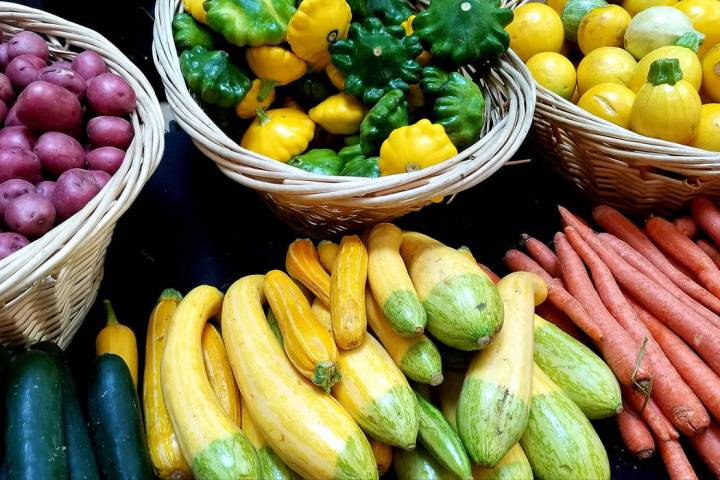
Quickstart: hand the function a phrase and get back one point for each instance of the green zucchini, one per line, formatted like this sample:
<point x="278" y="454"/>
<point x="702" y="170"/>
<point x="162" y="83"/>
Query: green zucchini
<point x="559" y="441"/>
<point x="418" y="464"/>
<point x="513" y="466"/>
<point x="321" y="161"/>
<point x="115" y="421"/>
<point x="441" y="441"/>
<point x="80" y="456"/>
<point x="34" y="434"/>
<point x="584" y="376"/>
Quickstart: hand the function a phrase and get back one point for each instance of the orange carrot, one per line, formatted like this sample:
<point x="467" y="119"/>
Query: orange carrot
<point x="676" y="462"/>
<point x="707" y="445"/>
<point x="542" y="254"/>
<point x="685" y="252"/>
<point x="710" y="250"/>
<point x="648" y="410"/>
<point x="707" y="216"/>
<point x="686" y="226"/>
<point x="517" y="261"/>
<point x="704" y="382"/>
<point x="700" y="334"/>
<point x="489" y="273"/>
<point x="552" y="314"/>
<point x="622" y="354"/>
<point x="674" y="397"/>
<point x="644" y="266"/>
<point x="615" y="223"/>
<point x="635" y="433"/>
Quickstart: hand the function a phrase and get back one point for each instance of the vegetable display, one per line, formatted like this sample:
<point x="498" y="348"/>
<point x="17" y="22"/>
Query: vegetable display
<point x="64" y="132"/>
<point x="302" y="77"/>
<point x="618" y="44"/>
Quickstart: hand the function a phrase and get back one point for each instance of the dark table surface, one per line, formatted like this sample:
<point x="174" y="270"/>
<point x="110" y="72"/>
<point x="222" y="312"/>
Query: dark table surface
<point x="191" y="225"/>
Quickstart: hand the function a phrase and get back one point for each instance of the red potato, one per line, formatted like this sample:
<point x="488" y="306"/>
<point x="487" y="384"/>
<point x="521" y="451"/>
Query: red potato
<point x="10" y="243"/>
<point x="43" y="107"/>
<point x="63" y="64"/>
<point x="101" y="178"/>
<point x="24" y="70"/>
<point x="64" y="77"/>
<point x="3" y="111"/>
<point x="30" y="215"/>
<point x="106" y="131"/>
<point x="28" y="43"/>
<point x="4" y="59"/>
<point x="74" y="189"/>
<point x="17" y="136"/>
<point x="46" y="189"/>
<point x="11" y="120"/>
<point x="59" y="152"/>
<point x="110" y="94"/>
<point x="18" y="163"/>
<point x="11" y="189"/>
<point x="6" y="89"/>
<point x="107" y="159"/>
<point x="89" y="64"/>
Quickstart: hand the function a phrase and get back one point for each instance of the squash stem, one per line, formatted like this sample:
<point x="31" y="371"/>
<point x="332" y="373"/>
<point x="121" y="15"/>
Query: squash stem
<point x="326" y="375"/>
<point x="170" y="294"/>
<point x="691" y="40"/>
<point x="110" y="317"/>
<point x="262" y="116"/>
<point x="266" y="87"/>
<point x="665" y="71"/>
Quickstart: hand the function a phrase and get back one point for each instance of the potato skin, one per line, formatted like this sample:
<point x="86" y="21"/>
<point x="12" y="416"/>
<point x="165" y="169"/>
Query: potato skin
<point x="6" y="89"/>
<point x="64" y="77"/>
<point x="10" y="243"/>
<point x="74" y="189"/>
<point x="12" y="189"/>
<point x="30" y="215"/>
<point x="59" y="152"/>
<point x="28" y="43"/>
<point x="19" y="163"/>
<point x="17" y="136"/>
<point x="46" y="188"/>
<point x="89" y="64"/>
<point x="107" y="159"/>
<point x="108" y="131"/>
<point x="43" y="107"/>
<point x="24" y="70"/>
<point x="110" y="94"/>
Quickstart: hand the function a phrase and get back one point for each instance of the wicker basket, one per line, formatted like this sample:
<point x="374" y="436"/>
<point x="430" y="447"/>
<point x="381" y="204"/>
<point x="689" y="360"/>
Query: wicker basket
<point x="616" y="166"/>
<point x="320" y="205"/>
<point x="47" y="288"/>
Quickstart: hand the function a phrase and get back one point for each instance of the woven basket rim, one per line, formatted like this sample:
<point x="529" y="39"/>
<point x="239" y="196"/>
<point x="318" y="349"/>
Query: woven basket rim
<point x="45" y="255"/>
<point x="466" y="169"/>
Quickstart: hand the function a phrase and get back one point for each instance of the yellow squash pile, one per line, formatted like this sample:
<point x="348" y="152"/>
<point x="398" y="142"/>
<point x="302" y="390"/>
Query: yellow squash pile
<point x="601" y="56"/>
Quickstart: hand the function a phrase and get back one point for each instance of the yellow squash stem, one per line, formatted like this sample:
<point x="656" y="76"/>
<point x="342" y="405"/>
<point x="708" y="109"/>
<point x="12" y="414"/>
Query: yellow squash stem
<point x="118" y="339"/>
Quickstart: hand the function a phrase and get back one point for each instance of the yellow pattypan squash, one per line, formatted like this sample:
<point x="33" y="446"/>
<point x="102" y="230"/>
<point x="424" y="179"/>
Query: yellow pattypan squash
<point x="689" y="63"/>
<point x="414" y="147"/>
<point x="339" y="114"/>
<point x="666" y="107"/>
<point x="424" y="58"/>
<point x="711" y="73"/>
<point x="260" y="96"/>
<point x="314" y="26"/>
<point x="275" y="63"/>
<point x="708" y="133"/>
<point x="554" y="72"/>
<point x="603" y="65"/>
<point x="603" y="27"/>
<point x="335" y="76"/>
<point x="535" y="28"/>
<point x="195" y="8"/>
<point x="634" y="7"/>
<point x="609" y="101"/>
<point x="280" y="133"/>
<point x="705" y="16"/>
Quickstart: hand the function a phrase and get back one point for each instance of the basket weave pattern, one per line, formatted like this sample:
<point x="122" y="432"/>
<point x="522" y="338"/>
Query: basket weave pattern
<point x="47" y="288"/>
<point x="617" y="166"/>
<point x="321" y="205"/>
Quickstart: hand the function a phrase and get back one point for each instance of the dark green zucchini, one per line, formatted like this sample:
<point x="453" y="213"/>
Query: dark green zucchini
<point x="34" y="435"/>
<point x="116" y="423"/>
<point x="80" y="457"/>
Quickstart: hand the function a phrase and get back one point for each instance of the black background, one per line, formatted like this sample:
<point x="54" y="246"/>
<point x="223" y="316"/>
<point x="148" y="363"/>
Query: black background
<point x="191" y="225"/>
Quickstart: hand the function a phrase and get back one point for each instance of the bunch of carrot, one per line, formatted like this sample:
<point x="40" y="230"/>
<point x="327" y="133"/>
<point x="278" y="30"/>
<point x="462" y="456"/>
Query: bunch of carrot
<point x="649" y="300"/>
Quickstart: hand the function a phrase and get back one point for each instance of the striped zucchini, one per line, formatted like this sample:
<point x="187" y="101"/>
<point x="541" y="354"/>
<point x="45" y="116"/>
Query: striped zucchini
<point x="347" y="293"/>
<point x="390" y="282"/>
<point x="211" y="442"/>
<point x="303" y="264"/>
<point x="167" y="460"/>
<point x="559" y="441"/>
<point x="417" y="357"/>
<point x="322" y="313"/>
<point x="449" y="394"/>
<point x="377" y="395"/>
<point x="463" y="307"/>
<point x="383" y="455"/>
<point x="271" y="466"/>
<point x="219" y="373"/>
<point x="419" y="464"/>
<point x="495" y="399"/>
<point x="327" y="251"/>
<point x="118" y="339"/>
<point x="584" y="376"/>
<point x="441" y="441"/>
<point x="513" y="466"/>
<point x="274" y="326"/>
<point x="306" y="427"/>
